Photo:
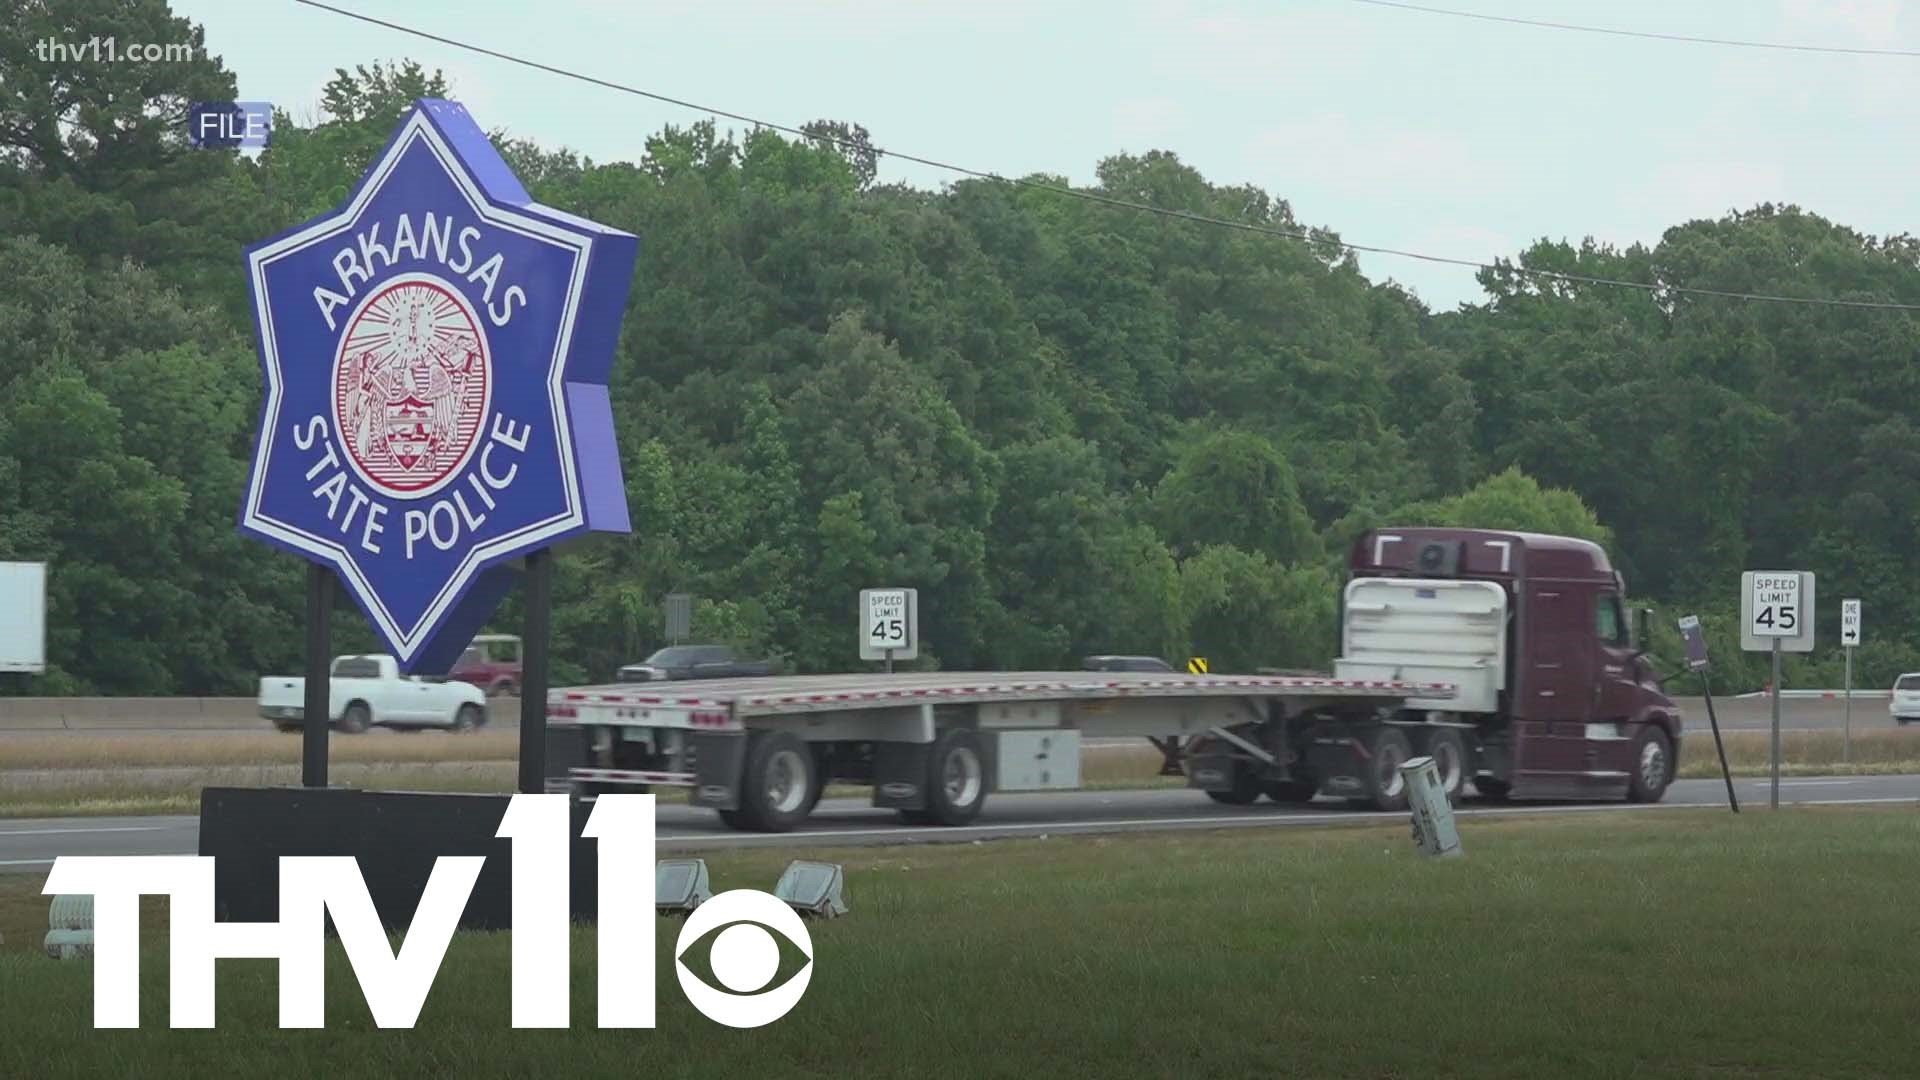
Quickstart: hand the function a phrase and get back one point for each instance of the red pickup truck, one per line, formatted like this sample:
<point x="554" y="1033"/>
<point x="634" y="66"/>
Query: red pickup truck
<point x="491" y="663"/>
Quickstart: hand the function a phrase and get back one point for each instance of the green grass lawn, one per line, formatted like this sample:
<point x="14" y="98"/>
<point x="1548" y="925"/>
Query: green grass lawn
<point x="1665" y="944"/>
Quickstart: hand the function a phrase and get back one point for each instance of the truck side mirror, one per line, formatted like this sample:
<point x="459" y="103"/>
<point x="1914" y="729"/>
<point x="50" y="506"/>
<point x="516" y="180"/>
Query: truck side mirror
<point x="1643" y="630"/>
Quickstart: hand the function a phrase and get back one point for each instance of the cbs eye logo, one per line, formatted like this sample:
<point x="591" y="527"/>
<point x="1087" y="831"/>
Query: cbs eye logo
<point x="744" y="958"/>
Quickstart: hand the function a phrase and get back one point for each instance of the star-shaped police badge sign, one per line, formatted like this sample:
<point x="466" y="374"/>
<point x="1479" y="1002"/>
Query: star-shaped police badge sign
<point x="436" y="354"/>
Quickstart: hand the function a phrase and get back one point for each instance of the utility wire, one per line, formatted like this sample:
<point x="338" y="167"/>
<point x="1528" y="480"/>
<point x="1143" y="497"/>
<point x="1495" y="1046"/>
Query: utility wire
<point x="1647" y="34"/>
<point x="1108" y="200"/>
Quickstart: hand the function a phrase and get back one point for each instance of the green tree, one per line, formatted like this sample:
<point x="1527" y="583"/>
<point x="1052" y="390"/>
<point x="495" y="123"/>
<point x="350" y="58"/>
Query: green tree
<point x="1510" y="500"/>
<point x="1232" y="488"/>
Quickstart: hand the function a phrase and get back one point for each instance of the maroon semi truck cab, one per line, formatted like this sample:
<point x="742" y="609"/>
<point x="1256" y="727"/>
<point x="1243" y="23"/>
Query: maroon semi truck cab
<point x="1534" y="631"/>
<point x="1546" y="695"/>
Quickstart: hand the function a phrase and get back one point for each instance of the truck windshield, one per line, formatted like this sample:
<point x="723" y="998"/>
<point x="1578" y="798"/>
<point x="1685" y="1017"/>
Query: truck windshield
<point x="357" y="667"/>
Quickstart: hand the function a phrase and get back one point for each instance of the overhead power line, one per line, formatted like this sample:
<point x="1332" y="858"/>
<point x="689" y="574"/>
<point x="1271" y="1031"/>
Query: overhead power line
<point x="1647" y="34"/>
<point x="1109" y="200"/>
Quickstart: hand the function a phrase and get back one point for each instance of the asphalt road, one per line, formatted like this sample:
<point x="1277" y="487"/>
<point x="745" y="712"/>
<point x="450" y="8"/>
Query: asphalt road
<point x="31" y="845"/>
<point x="1736" y="714"/>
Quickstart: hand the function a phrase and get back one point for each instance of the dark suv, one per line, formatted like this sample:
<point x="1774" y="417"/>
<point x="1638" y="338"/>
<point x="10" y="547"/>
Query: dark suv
<point x="1125" y="663"/>
<point x="694" y="662"/>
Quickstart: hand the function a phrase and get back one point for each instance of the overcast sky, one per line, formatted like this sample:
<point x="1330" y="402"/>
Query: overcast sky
<point x="1397" y="128"/>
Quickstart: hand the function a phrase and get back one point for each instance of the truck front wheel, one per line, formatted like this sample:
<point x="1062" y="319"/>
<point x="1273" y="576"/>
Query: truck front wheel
<point x="356" y="719"/>
<point x="1652" y="765"/>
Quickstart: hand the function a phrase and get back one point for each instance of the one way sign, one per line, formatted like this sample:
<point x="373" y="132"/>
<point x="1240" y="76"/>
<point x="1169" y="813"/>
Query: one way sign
<point x="1849" y="623"/>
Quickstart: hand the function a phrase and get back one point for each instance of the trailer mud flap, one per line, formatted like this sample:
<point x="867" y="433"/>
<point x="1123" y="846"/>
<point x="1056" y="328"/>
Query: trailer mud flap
<point x="717" y="762"/>
<point x="567" y="747"/>
<point x="900" y="775"/>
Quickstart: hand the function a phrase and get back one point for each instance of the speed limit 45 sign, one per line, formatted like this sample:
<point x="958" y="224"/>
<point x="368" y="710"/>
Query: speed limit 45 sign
<point x="1776" y="606"/>
<point x="889" y="624"/>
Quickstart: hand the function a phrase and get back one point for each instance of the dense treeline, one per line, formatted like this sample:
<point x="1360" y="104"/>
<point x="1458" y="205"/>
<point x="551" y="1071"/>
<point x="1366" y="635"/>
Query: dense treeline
<point x="1074" y="428"/>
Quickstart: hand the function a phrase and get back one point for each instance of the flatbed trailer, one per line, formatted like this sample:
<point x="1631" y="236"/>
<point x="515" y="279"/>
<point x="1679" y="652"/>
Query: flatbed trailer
<point x="1506" y="657"/>
<point x="933" y="745"/>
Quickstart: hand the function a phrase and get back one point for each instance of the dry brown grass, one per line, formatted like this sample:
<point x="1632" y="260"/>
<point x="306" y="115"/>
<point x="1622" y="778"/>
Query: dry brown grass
<point x="1886" y="750"/>
<point x="97" y="750"/>
<point x="1801" y="753"/>
<point x="176" y="790"/>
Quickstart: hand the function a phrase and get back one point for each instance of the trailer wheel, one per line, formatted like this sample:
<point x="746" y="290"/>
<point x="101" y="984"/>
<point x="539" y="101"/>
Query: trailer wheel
<point x="1387" y="750"/>
<point x="1652" y="765"/>
<point x="778" y="782"/>
<point x="956" y="778"/>
<point x="1292" y="791"/>
<point x="356" y="719"/>
<point x="1449" y="753"/>
<point x="1246" y="787"/>
<point x="1491" y="788"/>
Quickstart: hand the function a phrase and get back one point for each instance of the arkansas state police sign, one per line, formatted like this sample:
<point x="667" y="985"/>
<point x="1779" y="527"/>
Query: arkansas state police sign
<point x="436" y="354"/>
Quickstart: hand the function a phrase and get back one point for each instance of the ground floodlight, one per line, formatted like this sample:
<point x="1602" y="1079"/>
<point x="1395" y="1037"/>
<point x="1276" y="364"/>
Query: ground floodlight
<point x="70" y="927"/>
<point x="70" y="912"/>
<point x="1433" y="830"/>
<point x="814" y="888"/>
<point x="69" y="944"/>
<point x="680" y="885"/>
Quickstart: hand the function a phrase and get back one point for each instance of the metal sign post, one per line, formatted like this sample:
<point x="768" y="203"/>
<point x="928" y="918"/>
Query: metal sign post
<point x="317" y="711"/>
<point x="1773" y="794"/>
<point x="1776" y="616"/>
<point x="537" y="633"/>
<point x="1849" y="638"/>
<point x="1846" y="722"/>
<point x="1695" y="640"/>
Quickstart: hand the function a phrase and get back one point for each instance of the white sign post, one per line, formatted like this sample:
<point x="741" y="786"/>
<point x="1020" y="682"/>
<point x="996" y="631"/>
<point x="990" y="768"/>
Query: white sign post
<point x="1849" y="638"/>
<point x="889" y="625"/>
<point x="1776" y="615"/>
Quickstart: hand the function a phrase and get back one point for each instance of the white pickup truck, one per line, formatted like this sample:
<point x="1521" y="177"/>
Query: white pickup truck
<point x="368" y="690"/>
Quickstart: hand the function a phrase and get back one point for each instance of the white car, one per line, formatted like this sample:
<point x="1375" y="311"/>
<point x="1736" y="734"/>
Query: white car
<point x="368" y="690"/>
<point x="1904" y="703"/>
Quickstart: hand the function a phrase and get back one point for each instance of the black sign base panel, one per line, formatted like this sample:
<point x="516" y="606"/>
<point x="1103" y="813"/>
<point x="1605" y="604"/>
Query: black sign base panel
<point x="395" y="836"/>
